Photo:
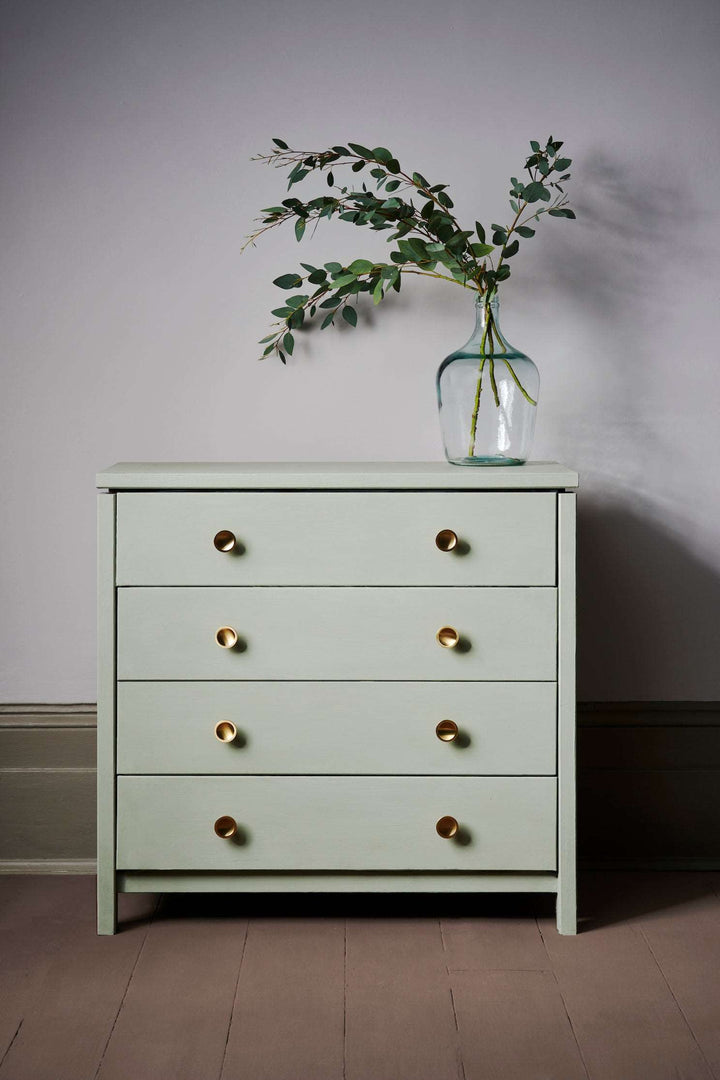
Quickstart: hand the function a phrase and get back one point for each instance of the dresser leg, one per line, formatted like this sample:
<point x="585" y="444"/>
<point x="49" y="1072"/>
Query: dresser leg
<point x="567" y="908"/>
<point x="106" y="904"/>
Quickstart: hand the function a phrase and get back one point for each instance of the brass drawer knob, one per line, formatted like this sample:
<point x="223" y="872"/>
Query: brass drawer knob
<point x="225" y="731"/>
<point x="446" y="540"/>
<point x="447" y="730"/>
<point x="225" y="827"/>
<point x="448" y="637"/>
<point x="224" y="540"/>
<point x="447" y="827"/>
<point x="226" y="637"/>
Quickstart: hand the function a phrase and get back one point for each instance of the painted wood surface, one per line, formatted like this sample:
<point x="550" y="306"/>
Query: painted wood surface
<point x="369" y="881"/>
<point x="336" y="538"/>
<point x="288" y="1015"/>
<point x="364" y="633"/>
<point x="401" y="1023"/>
<point x="106" y="675"/>
<point x="333" y="475"/>
<point x="567" y="842"/>
<point x="66" y="1020"/>
<point x="176" y="1013"/>
<point x="513" y="1024"/>
<point x="323" y="983"/>
<point x="331" y="727"/>
<point x="624" y="1015"/>
<point x="329" y="822"/>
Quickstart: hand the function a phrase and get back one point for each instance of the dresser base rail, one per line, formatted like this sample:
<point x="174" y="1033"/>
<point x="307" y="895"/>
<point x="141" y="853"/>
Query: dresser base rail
<point x="328" y="881"/>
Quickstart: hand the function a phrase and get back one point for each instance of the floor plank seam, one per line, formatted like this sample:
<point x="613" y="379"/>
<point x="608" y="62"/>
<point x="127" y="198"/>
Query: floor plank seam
<point x="564" y="1003"/>
<point x="127" y="988"/>
<point x="10" y="1044"/>
<point x="345" y="981"/>
<point x="460" y="1061"/>
<point x="234" y="1000"/>
<point x="526" y="971"/>
<point x="677" y="1003"/>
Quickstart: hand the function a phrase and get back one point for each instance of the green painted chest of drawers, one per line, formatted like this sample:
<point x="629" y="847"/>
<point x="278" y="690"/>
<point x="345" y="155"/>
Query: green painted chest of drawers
<point x="336" y="677"/>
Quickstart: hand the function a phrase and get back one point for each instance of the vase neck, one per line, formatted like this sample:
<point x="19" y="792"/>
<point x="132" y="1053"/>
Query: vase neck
<point x="487" y="325"/>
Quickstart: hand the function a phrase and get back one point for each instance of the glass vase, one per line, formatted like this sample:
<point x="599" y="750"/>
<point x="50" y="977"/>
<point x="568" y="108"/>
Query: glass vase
<point x="487" y="396"/>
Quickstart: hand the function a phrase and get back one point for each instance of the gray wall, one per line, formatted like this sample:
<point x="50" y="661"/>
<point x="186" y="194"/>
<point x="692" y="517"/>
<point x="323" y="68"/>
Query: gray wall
<point x="129" y="318"/>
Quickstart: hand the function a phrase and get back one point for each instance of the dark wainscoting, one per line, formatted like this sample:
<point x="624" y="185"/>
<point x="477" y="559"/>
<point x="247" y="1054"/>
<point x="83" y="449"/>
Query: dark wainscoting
<point x="648" y="781"/>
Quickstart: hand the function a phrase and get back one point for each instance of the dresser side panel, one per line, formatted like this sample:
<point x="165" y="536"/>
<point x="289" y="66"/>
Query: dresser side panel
<point x="567" y="872"/>
<point x="106" y="891"/>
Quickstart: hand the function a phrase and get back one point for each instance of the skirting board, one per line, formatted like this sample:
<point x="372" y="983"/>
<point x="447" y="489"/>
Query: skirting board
<point x="648" y="774"/>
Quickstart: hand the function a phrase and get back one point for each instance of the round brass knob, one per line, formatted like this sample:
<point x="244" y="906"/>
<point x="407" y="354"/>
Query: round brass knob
<point x="446" y="540"/>
<point x="447" y="827"/>
<point x="225" y="731"/>
<point x="224" y="540"/>
<point x="226" y="637"/>
<point x="225" y="827"/>
<point x="448" y="637"/>
<point x="447" y="730"/>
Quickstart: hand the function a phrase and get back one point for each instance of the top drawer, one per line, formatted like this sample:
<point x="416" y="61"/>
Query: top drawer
<point x="335" y="538"/>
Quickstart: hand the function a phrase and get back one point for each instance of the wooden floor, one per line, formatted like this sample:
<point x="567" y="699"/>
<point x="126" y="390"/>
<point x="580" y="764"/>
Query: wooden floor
<point x="362" y="988"/>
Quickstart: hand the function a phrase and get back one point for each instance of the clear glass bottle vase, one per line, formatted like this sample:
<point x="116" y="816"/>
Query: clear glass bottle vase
<point x="487" y="396"/>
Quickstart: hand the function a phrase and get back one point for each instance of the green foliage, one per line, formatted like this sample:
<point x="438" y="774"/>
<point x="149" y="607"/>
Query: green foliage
<point x="418" y="218"/>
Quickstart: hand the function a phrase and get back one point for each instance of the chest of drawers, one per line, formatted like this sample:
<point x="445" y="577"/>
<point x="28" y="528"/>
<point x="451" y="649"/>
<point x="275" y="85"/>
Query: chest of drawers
<point x="336" y="678"/>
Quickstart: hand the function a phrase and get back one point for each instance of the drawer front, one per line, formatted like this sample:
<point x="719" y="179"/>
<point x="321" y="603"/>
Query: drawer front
<point x="344" y="634"/>
<point x="336" y="823"/>
<point x="334" y="727"/>
<point x="336" y="538"/>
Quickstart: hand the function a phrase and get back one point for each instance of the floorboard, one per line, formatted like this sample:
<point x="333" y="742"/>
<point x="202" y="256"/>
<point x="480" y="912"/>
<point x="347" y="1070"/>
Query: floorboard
<point x="679" y="918"/>
<point x="68" y="1021"/>
<point x="176" y="1011"/>
<point x="33" y="922"/>
<point x="624" y="1015"/>
<point x="513" y="1026"/>
<point x="287" y="1021"/>
<point x="492" y="939"/>
<point x="362" y="988"/>
<point x="400" y="1019"/>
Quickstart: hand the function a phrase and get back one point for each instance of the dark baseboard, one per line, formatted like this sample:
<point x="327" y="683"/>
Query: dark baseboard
<point x="648" y="775"/>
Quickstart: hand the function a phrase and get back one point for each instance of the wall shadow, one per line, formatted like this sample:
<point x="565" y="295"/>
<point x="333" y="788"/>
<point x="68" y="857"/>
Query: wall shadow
<point x="648" y="607"/>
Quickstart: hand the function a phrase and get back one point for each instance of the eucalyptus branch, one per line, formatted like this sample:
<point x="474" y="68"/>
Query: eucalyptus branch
<point x="424" y="238"/>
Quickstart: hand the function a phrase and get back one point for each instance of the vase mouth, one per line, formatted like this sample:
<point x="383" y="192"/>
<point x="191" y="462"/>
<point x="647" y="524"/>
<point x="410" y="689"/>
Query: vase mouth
<point x="484" y="300"/>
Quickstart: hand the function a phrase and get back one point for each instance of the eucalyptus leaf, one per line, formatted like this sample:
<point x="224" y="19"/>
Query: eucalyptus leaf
<point x="281" y="144"/>
<point x="534" y="191"/>
<point x="350" y="315"/>
<point x="289" y="343"/>
<point x="288" y="281"/>
<point x="299" y="229"/>
<point x="360" y="266"/>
